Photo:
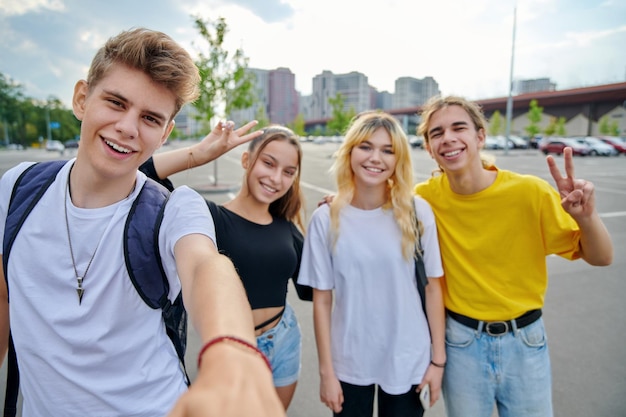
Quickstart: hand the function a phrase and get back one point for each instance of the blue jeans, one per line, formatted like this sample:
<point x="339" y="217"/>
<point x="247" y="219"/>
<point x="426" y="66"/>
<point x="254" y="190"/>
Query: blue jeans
<point x="511" y="371"/>
<point x="282" y="344"/>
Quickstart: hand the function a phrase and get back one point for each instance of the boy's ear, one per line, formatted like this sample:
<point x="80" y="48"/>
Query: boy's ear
<point x="81" y="89"/>
<point x="168" y="131"/>
<point x="481" y="138"/>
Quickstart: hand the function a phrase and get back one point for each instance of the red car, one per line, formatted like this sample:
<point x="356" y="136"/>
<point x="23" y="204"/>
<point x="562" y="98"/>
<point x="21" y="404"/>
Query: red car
<point x="556" y="146"/>
<point x="618" y="143"/>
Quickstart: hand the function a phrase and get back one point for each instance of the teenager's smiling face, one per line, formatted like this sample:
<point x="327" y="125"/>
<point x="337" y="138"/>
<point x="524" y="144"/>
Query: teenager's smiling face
<point x="274" y="171"/>
<point x="373" y="161"/>
<point x="125" y="117"/>
<point x="454" y="142"/>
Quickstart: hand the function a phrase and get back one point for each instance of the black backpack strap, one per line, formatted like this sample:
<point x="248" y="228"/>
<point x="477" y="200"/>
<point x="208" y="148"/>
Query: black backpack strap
<point x="13" y="382"/>
<point x="420" y="268"/>
<point x="27" y="191"/>
<point x="143" y="262"/>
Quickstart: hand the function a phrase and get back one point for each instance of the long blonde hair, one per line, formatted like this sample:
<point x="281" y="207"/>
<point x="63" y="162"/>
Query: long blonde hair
<point x="399" y="195"/>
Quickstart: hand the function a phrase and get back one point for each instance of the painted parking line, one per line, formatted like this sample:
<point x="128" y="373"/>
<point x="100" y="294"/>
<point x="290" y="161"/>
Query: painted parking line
<point x="613" y="214"/>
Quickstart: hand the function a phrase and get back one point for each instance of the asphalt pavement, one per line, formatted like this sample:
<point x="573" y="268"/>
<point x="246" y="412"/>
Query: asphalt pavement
<point x="584" y="311"/>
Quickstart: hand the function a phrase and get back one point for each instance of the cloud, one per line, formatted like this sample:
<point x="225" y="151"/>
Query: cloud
<point x="466" y="46"/>
<point x="20" y="7"/>
<point x="586" y="38"/>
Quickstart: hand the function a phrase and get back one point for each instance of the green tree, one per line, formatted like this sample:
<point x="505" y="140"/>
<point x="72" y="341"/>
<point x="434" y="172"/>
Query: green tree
<point x="11" y="95"/>
<point x="495" y="124"/>
<point x="261" y="117"/>
<point x="535" y="114"/>
<point x="340" y="119"/>
<point x="614" y="128"/>
<point x="298" y="125"/>
<point x="225" y="83"/>
<point x="551" y="127"/>
<point x="560" y="127"/>
<point x="603" y="125"/>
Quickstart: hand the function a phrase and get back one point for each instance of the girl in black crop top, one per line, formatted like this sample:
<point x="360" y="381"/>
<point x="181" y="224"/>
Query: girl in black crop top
<point x="267" y="211"/>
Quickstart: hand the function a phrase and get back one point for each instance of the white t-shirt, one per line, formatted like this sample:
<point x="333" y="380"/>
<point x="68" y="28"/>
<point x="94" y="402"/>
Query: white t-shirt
<point x="110" y="355"/>
<point x="379" y="334"/>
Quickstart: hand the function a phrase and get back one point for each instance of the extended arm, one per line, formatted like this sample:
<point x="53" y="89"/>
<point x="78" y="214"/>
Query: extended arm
<point x="437" y="323"/>
<point x="578" y="199"/>
<point x="330" y="389"/>
<point x="222" y="139"/>
<point x="233" y="380"/>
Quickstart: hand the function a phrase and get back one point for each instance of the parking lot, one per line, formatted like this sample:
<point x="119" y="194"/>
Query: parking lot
<point x="584" y="311"/>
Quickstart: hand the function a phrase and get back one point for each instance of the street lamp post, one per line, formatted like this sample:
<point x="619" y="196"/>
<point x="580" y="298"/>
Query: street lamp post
<point x="509" y="101"/>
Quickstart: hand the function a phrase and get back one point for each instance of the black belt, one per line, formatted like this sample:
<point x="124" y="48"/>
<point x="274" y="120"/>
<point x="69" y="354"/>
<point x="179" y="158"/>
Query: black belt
<point x="497" y="328"/>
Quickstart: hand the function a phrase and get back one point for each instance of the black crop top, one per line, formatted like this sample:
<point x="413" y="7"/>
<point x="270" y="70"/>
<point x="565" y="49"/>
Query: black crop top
<point x="265" y="256"/>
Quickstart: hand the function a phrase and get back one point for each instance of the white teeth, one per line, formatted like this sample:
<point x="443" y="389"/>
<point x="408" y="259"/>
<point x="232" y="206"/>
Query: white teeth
<point x="117" y="147"/>
<point x="453" y="153"/>
<point x="270" y="189"/>
<point x="377" y="170"/>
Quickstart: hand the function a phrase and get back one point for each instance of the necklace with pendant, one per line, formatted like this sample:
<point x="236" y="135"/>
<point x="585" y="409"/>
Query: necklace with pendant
<point x="79" y="278"/>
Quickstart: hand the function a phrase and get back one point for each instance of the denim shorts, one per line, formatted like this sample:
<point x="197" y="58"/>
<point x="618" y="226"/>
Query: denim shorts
<point x="282" y="344"/>
<point x="511" y="371"/>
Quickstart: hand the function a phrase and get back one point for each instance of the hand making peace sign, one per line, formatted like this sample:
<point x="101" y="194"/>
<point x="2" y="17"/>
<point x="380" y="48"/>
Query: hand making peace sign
<point x="577" y="195"/>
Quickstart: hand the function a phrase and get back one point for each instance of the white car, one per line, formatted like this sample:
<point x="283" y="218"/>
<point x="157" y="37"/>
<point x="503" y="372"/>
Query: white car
<point x="598" y="147"/>
<point x="55" y="145"/>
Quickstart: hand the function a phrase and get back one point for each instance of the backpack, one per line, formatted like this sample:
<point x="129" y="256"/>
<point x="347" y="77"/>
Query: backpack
<point x="141" y="255"/>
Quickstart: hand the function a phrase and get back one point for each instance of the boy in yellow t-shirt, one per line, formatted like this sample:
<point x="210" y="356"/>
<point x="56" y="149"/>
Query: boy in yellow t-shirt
<point x="496" y="228"/>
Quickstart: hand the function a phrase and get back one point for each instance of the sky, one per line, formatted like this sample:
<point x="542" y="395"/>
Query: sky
<point x="466" y="46"/>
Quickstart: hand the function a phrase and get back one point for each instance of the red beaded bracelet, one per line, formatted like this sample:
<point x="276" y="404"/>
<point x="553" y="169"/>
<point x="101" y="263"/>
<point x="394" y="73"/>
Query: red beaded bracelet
<point x="234" y="339"/>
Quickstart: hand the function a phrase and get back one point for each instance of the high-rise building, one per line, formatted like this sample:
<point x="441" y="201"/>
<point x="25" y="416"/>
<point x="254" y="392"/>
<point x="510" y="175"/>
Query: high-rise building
<point x="533" y="86"/>
<point x="353" y="87"/>
<point x="277" y="98"/>
<point x="186" y="121"/>
<point x="282" y="97"/>
<point x="259" y="108"/>
<point x="411" y="92"/>
<point x="383" y="100"/>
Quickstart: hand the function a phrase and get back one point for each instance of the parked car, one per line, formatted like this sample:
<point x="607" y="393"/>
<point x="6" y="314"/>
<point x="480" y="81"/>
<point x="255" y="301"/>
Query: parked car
<point x="517" y="142"/>
<point x="55" y="145"/>
<point x="556" y="146"/>
<point x="493" y="142"/>
<point x="416" y="141"/>
<point x="72" y="143"/>
<point x="598" y="147"/>
<point x="618" y="143"/>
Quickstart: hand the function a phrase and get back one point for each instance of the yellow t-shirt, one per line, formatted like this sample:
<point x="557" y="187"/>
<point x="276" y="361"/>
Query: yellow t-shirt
<point x="494" y="243"/>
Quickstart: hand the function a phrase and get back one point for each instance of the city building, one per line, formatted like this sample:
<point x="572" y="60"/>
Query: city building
<point x="353" y="87"/>
<point x="260" y="107"/>
<point x="533" y="86"/>
<point x="410" y="92"/>
<point x="282" y="98"/>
